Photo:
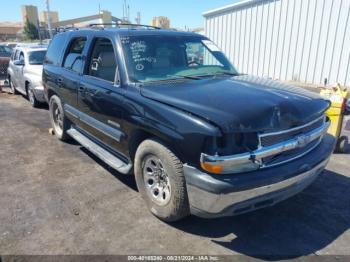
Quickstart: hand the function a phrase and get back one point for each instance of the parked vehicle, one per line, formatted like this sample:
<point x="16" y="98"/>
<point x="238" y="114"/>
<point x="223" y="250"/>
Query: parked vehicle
<point x="5" y="54"/>
<point x="11" y="45"/>
<point x="5" y="51"/>
<point x="25" y="72"/>
<point x="199" y="137"/>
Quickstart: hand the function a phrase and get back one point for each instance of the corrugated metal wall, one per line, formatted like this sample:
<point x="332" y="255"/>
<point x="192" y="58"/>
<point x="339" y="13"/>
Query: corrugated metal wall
<point x="300" y="40"/>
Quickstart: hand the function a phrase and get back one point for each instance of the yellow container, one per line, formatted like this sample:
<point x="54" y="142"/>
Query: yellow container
<point x="336" y="95"/>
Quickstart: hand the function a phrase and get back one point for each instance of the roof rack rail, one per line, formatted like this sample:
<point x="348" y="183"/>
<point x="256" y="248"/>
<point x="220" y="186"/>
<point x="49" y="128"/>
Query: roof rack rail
<point x="66" y="28"/>
<point x="124" y="24"/>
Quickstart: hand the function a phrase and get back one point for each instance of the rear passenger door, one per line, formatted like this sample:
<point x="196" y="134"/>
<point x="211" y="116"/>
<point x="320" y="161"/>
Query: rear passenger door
<point x="100" y="97"/>
<point x="69" y="81"/>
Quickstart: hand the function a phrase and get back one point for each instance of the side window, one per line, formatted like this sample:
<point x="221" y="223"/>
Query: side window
<point x="21" y="56"/>
<point x="17" y="55"/>
<point x="13" y="55"/>
<point x="72" y="60"/>
<point x="55" y="49"/>
<point x="102" y="63"/>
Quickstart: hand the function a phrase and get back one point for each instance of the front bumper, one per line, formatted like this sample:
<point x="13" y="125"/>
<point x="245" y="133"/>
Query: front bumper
<point x="227" y="195"/>
<point x="39" y="93"/>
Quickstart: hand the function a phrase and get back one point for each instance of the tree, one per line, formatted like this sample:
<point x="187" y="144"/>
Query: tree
<point x="30" y="31"/>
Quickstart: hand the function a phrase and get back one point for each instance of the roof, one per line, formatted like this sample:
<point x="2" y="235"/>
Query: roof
<point x="230" y="7"/>
<point x="31" y="47"/>
<point x="134" y="32"/>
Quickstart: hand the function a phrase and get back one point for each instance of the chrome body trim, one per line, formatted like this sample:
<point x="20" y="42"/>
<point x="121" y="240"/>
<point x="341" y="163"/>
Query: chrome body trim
<point x="254" y="160"/>
<point x="292" y="129"/>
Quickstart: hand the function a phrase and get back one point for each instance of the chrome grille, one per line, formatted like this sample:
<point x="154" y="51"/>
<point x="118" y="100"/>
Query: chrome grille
<point x="289" y="155"/>
<point x="271" y="139"/>
<point x="278" y="137"/>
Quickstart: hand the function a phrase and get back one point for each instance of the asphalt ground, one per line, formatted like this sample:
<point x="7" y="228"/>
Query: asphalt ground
<point x="57" y="198"/>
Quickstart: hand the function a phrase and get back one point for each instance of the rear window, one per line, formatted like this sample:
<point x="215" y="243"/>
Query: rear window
<point x="36" y="57"/>
<point x="55" y="49"/>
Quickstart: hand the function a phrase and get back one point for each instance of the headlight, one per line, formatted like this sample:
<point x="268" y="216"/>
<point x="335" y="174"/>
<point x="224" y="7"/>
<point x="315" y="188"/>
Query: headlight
<point x="218" y="152"/>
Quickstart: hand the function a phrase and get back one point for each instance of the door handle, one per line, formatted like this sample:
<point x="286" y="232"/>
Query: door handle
<point x="82" y="89"/>
<point x="59" y="82"/>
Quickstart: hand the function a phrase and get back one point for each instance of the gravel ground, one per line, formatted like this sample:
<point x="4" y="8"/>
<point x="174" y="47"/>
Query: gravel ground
<point x="56" y="198"/>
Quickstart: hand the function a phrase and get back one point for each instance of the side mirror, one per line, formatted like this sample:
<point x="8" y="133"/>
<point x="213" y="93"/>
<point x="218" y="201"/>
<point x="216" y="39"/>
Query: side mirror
<point x="19" y="63"/>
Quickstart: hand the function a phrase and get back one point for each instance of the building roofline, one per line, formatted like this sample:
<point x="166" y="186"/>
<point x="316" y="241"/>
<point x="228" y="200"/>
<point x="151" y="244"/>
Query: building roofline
<point x="230" y="7"/>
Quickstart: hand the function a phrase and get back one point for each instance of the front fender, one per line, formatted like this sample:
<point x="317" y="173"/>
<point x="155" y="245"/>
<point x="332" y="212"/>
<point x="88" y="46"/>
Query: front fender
<point x="182" y="131"/>
<point x="34" y="79"/>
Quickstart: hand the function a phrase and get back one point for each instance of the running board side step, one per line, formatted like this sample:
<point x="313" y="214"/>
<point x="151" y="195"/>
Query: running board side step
<point x="100" y="152"/>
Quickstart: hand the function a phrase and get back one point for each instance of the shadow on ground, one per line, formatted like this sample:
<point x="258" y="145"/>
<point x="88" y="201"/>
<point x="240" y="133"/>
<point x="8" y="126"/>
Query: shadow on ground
<point x="299" y="226"/>
<point x="128" y="180"/>
<point x="296" y="227"/>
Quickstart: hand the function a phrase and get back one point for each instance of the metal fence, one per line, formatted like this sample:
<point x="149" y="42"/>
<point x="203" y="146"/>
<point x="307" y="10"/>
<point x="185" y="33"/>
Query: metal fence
<point x="4" y="63"/>
<point x="297" y="40"/>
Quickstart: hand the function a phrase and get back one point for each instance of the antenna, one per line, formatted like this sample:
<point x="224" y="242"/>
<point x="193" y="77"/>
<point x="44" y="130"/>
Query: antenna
<point x="128" y="13"/>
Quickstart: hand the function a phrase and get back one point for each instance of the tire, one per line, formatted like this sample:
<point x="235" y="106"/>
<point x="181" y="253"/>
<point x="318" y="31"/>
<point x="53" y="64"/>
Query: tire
<point x="59" y="122"/>
<point x="13" y="89"/>
<point x="31" y="97"/>
<point x="164" y="176"/>
<point x="342" y="144"/>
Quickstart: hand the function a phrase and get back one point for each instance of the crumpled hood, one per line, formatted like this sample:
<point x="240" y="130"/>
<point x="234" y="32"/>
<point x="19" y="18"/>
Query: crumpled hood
<point x="242" y="103"/>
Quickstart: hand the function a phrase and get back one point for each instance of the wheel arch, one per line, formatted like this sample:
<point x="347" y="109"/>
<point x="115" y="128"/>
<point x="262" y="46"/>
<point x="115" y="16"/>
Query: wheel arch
<point x="50" y="93"/>
<point x="140" y="135"/>
<point x="26" y="85"/>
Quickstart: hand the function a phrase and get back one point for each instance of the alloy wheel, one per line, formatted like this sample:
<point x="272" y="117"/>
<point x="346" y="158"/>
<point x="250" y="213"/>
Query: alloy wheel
<point x="156" y="180"/>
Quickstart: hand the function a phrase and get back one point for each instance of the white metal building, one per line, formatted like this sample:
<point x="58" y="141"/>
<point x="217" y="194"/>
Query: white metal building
<point x="299" y="40"/>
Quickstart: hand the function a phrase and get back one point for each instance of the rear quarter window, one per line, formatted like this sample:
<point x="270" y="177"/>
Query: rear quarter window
<point x="55" y="50"/>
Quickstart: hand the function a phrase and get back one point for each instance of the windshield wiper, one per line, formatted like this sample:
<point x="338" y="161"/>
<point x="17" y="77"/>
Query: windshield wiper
<point x="187" y="77"/>
<point x="226" y="73"/>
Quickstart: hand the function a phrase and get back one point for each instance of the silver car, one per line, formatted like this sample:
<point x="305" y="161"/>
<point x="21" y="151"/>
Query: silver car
<point x="25" y="71"/>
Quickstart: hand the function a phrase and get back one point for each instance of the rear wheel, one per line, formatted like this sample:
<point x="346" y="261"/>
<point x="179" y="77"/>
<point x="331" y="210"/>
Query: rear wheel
<point x="160" y="180"/>
<point x="59" y="122"/>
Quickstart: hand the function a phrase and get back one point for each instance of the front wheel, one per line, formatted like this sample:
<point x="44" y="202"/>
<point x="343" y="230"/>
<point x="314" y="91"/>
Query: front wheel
<point x="31" y="97"/>
<point x="160" y="180"/>
<point x="342" y="144"/>
<point x="59" y="122"/>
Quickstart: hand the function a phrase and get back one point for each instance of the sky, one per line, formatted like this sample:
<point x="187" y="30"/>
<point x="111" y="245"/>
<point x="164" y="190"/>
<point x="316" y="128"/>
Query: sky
<point x="180" y="12"/>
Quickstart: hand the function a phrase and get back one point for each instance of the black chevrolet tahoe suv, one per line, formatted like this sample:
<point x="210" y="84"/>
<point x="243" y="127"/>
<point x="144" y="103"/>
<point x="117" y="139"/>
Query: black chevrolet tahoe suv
<point x="171" y="109"/>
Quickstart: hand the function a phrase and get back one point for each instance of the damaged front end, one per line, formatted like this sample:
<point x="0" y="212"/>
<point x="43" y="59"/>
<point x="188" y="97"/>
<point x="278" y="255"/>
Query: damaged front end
<point x="252" y="151"/>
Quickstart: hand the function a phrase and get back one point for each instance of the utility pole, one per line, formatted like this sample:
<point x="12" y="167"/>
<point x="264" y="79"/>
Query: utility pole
<point x="49" y="18"/>
<point x="138" y="18"/>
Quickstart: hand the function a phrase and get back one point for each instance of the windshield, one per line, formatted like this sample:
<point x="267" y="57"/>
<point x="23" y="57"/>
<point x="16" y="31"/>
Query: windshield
<point x="157" y="58"/>
<point x="36" y="57"/>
